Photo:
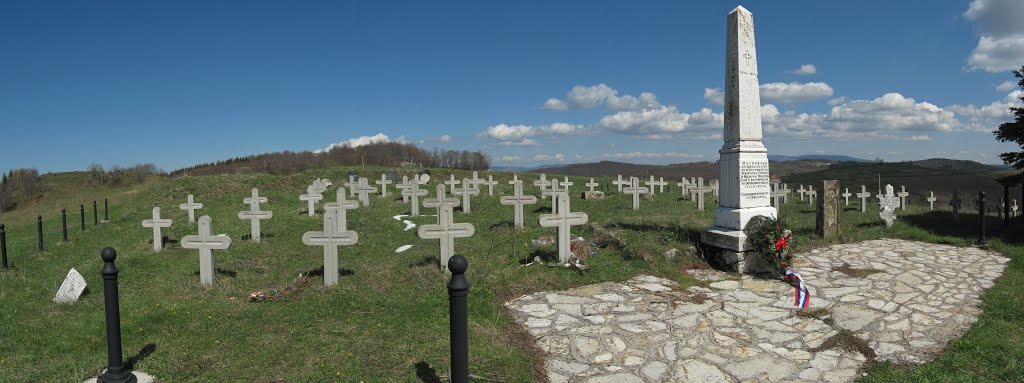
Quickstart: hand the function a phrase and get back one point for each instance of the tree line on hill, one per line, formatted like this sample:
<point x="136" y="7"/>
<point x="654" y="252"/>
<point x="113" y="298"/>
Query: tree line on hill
<point x="392" y="154"/>
<point x="23" y="181"/>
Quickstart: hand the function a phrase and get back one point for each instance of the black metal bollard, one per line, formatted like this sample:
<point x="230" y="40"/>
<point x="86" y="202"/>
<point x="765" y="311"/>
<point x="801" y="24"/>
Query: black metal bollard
<point x="116" y="371"/>
<point x="458" y="290"/>
<point x="95" y="214"/>
<point x="64" y="222"/>
<point x="982" y="241"/>
<point x="106" y="207"/>
<point x="39" y="229"/>
<point x="3" y="246"/>
<point x="1006" y="205"/>
<point x="82" y="211"/>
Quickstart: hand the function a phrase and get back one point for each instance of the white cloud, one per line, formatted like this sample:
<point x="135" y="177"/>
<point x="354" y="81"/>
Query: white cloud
<point x="364" y="140"/>
<point x="445" y="138"/>
<point x="655" y="123"/>
<point x="650" y="155"/>
<point x="1006" y="86"/>
<point x="588" y="97"/>
<point x="804" y="70"/>
<point x="794" y="92"/>
<point x="522" y="135"/>
<point x="881" y="118"/>
<point x="779" y="92"/>
<point x="988" y="117"/>
<point x="837" y="100"/>
<point x="508" y="158"/>
<point x="544" y="157"/>
<point x="1001" y="34"/>
<point x="923" y="137"/>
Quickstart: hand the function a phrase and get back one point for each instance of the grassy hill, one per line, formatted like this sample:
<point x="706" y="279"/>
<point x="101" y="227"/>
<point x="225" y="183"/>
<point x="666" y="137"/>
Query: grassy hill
<point x="387" y="319"/>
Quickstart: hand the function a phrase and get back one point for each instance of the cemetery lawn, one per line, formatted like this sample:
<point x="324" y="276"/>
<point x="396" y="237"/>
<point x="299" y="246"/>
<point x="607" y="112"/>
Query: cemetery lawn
<point x="387" y="319"/>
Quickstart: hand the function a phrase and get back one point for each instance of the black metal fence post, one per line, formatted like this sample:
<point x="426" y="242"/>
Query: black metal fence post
<point x="82" y="211"/>
<point x="95" y="214"/>
<point x="3" y="245"/>
<point x="64" y="222"/>
<point x="982" y="241"/>
<point x="39" y="229"/>
<point x="106" y="207"/>
<point x="116" y="371"/>
<point x="458" y="290"/>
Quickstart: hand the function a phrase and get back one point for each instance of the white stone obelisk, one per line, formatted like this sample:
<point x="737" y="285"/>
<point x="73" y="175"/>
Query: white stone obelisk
<point x="743" y="165"/>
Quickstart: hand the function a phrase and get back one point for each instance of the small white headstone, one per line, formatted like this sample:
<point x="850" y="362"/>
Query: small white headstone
<point x="903" y="197"/>
<point x="931" y="200"/>
<point x="863" y="195"/>
<point x="191" y="206"/>
<point x="620" y="183"/>
<point x="518" y="200"/>
<point x="846" y="195"/>
<point x="383" y="182"/>
<point x="71" y="289"/>
<point x="888" y="204"/>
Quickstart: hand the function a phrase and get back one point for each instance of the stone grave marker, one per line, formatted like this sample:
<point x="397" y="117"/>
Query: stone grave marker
<point x="661" y="184"/>
<point x="383" y="182"/>
<point x="567" y="184"/>
<point x="931" y="200"/>
<point x="446" y="231"/>
<point x="452" y="183"/>
<point x="903" y="197"/>
<point x="713" y="184"/>
<point x="777" y="195"/>
<point x="363" y="189"/>
<point x="785" y="195"/>
<point x="564" y="219"/>
<point x="402" y="186"/>
<point x="863" y="195"/>
<point x="811" y="194"/>
<point x="311" y="197"/>
<point x="700" y="189"/>
<point x="440" y="200"/>
<point x="650" y="185"/>
<point x="157" y="224"/>
<point x="330" y="238"/>
<point x="352" y="184"/>
<point x="802" y="192"/>
<point x="191" y="206"/>
<point x="72" y="288"/>
<point x="206" y="242"/>
<point x="467" y="192"/>
<point x="955" y="203"/>
<point x="475" y="181"/>
<point x="517" y="200"/>
<point x="591" y="185"/>
<point x="339" y="208"/>
<point x="552" y="192"/>
<point x="542" y="183"/>
<point x="254" y="214"/>
<point x="490" y="184"/>
<point x="683" y="186"/>
<point x="414" y="193"/>
<point x="826" y="221"/>
<point x="620" y="183"/>
<point x="636" y="190"/>
<point x="846" y="196"/>
<point x="515" y="180"/>
<point x="887" y="206"/>
<point x="1014" y="208"/>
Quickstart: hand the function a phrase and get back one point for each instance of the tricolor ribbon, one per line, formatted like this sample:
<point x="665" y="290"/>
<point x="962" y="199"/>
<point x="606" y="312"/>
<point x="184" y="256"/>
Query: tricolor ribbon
<point x="801" y="296"/>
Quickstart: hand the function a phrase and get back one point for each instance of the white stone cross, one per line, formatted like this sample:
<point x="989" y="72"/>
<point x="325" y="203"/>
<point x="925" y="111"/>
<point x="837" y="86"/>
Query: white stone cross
<point x="363" y="189"/>
<point x="801" y="191"/>
<point x="888" y="204"/>
<point x="1014" y="207"/>
<point x="847" y="195"/>
<point x="254" y="215"/>
<point x="863" y="195"/>
<point x="777" y="194"/>
<point x="383" y="182"/>
<point x="785" y="189"/>
<point x="518" y="200"/>
<point x="474" y="181"/>
<point x="490" y="184"/>
<point x="467" y="192"/>
<point x="414" y="193"/>
<point x="619" y="183"/>
<point x="591" y="184"/>
<point x="661" y="184"/>
<point x="441" y="200"/>
<point x="157" y="224"/>
<point x="636" y="190"/>
<point x="811" y="194"/>
<point x="339" y="208"/>
<point x="402" y="186"/>
<point x="191" y="206"/>
<point x="321" y="184"/>
<point x="931" y="200"/>
<point x="452" y="182"/>
<point x="206" y="243"/>
<point x="311" y="197"/>
<point x="903" y="197"/>
<point x="700" y="190"/>
<point x="353" y="182"/>
<point x="554" y="190"/>
<point x="330" y="238"/>
<point x="563" y="220"/>
<point x="515" y="180"/>
<point x="651" y="184"/>
<point x="713" y="184"/>
<point x="683" y="186"/>
<point x="542" y="183"/>
<point x="566" y="184"/>
<point x="446" y="231"/>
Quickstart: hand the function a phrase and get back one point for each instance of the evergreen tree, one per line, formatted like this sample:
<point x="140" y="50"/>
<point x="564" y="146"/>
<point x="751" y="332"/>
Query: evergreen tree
<point x="1014" y="131"/>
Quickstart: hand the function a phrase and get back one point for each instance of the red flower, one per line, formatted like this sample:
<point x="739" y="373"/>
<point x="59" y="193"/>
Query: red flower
<point x="783" y="264"/>
<point x="781" y="243"/>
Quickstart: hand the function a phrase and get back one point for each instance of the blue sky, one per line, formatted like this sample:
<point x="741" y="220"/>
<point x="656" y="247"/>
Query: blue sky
<point x="178" y="83"/>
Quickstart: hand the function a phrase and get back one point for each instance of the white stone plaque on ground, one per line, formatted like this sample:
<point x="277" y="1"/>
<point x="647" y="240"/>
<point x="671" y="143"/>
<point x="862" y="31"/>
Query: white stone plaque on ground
<point x="191" y="206"/>
<point x="517" y="200"/>
<point x="157" y="224"/>
<point x="206" y="242"/>
<point x="71" y="288"/>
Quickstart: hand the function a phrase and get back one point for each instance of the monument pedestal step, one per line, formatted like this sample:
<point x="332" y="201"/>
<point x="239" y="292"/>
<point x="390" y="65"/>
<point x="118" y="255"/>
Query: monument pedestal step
<point x="728" y="250"/>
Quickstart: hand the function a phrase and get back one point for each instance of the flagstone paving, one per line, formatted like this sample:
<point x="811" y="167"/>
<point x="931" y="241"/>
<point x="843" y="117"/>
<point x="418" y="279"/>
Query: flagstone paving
<point x="901" y="301"/>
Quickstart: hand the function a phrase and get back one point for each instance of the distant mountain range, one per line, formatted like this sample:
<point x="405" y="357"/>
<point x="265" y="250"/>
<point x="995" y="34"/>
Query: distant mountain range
<point x="826" y="157"/>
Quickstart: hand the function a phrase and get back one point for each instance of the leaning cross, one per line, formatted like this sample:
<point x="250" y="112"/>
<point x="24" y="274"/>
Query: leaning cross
<point x="311" y="197"/>
<point x="441" y="200"/>
<point x="517" y="200"/>
<point x="888" y="204"/>
<point x="157" y="223"/>
<point x="363" y="189"/>
<point x="863" y="195"/>
<point x="903" y="197"/>
<point x="330" y="238"/>
<point x="206" y="242"/>
<point x="254" y="215"/>
<point x="931" y="200"/>
<point x="846" y="195"/>
<point x="467" y="191"/>
<point x="191" y="206"/>
<point x="636" y="190"/>
<point x="446" y="231"/>
<point x="383" y="182"/>
<point x="413" y="192"/>
<point x="563" y="220"/>
<point x="340" y="208"/>
<point x="591" y="185"/>
<point x="490" y="184"/>
<point x="619" y="183"/>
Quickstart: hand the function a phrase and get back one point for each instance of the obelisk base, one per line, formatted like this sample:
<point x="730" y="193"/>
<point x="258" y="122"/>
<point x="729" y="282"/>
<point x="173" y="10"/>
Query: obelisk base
<point x="727" y="248"/>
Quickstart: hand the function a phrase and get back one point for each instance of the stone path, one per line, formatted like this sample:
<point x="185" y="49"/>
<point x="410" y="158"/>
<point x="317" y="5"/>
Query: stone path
<point x="918" y="297"/>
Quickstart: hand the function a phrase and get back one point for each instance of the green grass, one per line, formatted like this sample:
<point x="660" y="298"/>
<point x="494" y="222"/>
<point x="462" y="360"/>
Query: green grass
<point x="387" y="319"/>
